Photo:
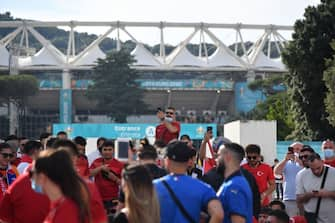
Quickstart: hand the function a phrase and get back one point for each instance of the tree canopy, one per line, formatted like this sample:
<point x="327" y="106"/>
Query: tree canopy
<point x="305" y="58"/>
<point x="115" y="88"/>
<point x="17" y="88"/>
<point x="329" y="78"/>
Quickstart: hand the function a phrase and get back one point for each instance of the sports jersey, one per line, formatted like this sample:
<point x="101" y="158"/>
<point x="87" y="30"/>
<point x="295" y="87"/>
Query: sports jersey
<point x="108" y="189"/>
<point x="193" y="194"/>
<point x="330" y="162"/>
<point x="162" y="133"/>
<point x="63" y="210"/>
<point x="236" y="197"/>
<point x="263" y="173"/>
<point x="98" y="213"/>
<point x="21" y="204"/>
<point x="82" y="166"/>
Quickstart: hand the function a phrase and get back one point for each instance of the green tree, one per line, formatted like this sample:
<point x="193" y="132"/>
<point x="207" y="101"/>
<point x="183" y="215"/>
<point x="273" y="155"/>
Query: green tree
<point x="16" y="89"/>
<point x="329" y="78"/>
<point x="115" y="88"/>
<point x="305" y="58"/>
<point x="275" y="107"/>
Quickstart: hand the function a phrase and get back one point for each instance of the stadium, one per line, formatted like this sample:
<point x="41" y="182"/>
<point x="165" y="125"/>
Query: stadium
<point x="205" y="85"/>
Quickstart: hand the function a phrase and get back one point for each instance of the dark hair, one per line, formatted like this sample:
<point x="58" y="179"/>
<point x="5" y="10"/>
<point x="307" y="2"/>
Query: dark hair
<point x="80" y="140"/>
<point x="185" y="137"/>
<point x="68" y="144"/>
<point x="44" y="135"/>
<point x="236" y="149"/>
<point x="66" y="177"/>
<point x="107" y="143"/>
<point x="50" y="142"/>
<point x="265" y="210"/>
<point x="280" y="215"/>
<point x="61" y="133"/>
<point x="278" y="202"/>
<point x="307" y="148"/>
<point x="144" y="141"/>
<point x="101" y="139"/>
<point x="4" y="145"/>
<point x="31" y="146"/>
<point x="314" y="156"/>
<point x="253" y="148"/>
<point x="148" y="152"/>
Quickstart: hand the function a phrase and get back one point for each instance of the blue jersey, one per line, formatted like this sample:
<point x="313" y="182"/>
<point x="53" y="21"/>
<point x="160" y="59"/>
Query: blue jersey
<point x="193" y="194"/>
<point x="236" y="197"/>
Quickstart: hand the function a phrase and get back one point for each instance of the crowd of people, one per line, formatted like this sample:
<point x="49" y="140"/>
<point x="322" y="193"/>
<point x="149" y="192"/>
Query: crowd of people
<point x="53" y="180"/>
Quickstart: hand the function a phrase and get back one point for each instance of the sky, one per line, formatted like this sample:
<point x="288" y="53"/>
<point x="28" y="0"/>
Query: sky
<point x="278" y="12"/>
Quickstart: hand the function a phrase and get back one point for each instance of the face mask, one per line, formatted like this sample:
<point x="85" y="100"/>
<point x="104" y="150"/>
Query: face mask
<point x="328" y="153"/>
<point x="168" y="119"/>
<point x="35" y="187"/>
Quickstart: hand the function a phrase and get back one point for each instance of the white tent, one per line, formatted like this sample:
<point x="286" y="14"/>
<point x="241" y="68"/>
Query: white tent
<point x="182" y="57"/>
<point x="91" y="57"/>
<point x="143" y="57"/>
<point x="42" y="57"/>
<point x="220" y="58"/>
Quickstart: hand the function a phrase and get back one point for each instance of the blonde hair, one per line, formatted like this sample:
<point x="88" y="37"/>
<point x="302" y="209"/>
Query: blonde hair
<point x="140" y="195"/>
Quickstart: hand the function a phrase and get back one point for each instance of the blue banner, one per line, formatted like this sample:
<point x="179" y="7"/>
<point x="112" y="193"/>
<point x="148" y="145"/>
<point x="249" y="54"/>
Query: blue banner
<point x="134" y="131"/>
<point x="149" y="84"/>
<point x="186" y="84"/>
<point x="246" y="99"/>
<point x="65" y="105"/>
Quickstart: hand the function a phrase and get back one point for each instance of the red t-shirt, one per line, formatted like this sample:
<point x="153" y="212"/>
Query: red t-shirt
<point x="98" y="213"/>
<point x="21" y="204"/>
<point x="162" y="133"/>
<point x="330" y="163"/>
<point x="82" y="167"/>
<point x="263" y="173"/>
<point x="63" y="210"/>
<point x="108" y="189"/>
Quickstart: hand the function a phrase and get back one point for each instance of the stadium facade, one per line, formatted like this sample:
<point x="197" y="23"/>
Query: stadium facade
<point x="203" y="87"/>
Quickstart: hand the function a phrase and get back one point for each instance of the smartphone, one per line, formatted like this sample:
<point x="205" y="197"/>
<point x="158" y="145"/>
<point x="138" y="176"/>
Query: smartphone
<point x="209" y="128"/>
<point x="290" y="149"/>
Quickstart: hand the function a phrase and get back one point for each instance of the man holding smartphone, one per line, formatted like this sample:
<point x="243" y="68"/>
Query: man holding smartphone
<point x="289" y="168"/>
<point x="168" y="128"/>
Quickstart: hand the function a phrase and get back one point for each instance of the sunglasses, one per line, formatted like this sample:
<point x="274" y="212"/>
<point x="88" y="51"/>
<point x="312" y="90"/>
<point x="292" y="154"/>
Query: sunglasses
<point x="169" y="113"/>
<point x="252" y="157"/>
<point x="303" y="157"/>
<point x="7" y="155"/>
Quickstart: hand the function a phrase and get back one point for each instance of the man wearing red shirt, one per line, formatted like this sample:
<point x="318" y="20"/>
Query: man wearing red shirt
<point x="169" y="128"/>
<point x="82" y="162"/>
<point x="107" y="175"/>
<point x="328" y="149"/>
<point x="262" y="172"/>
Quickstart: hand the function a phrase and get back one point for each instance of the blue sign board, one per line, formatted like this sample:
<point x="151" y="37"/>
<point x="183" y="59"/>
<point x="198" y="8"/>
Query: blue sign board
<point x="134" y="131"/>
<point x="65" y="105"/>
<point x="149" y="84"/>
<point x="246" y="99"/>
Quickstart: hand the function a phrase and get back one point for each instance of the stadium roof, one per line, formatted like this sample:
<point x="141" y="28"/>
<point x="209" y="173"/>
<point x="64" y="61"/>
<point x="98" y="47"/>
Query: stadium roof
<point x="49" y="57"/>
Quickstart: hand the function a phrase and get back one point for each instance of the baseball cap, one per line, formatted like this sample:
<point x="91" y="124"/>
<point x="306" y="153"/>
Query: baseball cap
<point x="178" y="151"/>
